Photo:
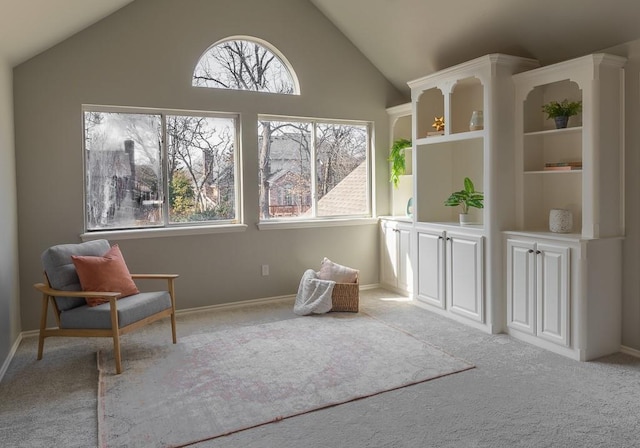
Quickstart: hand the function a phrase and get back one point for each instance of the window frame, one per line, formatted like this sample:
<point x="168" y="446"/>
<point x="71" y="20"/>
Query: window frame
<point x="322" y="221"/>
<point x="168" y="228"/>
<point x="267" y="46"/>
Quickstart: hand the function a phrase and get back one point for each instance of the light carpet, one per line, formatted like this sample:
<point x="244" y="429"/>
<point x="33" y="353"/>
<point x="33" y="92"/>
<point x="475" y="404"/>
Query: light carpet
<point x="214" y="384"/>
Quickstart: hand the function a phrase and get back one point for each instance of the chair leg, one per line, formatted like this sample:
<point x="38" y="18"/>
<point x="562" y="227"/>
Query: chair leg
<point x="115" y="328"/>
<point x="173" y="327"/>
<point x="173" y="309"/>
<point x="43" y="325"/>
<point x="116" y="351"/>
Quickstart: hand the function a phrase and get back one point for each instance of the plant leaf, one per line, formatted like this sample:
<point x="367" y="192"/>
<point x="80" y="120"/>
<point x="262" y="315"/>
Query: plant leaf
<point x="468" y="185"/>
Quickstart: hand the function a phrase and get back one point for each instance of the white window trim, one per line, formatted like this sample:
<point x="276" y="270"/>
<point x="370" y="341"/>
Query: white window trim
<point x="169" y="229"/>
<point x="315" y="223"/>
<point x="161" y="232"/>
<point x="272" y="48"/>
<point x="323" y="221"/>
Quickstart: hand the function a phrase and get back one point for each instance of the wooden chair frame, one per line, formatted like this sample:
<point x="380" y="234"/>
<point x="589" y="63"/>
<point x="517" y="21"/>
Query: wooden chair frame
<point x="48" y="294"/>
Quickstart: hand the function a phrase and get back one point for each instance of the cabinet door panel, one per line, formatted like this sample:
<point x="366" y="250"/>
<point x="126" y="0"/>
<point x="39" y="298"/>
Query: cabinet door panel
<point x="431" y="268"/>
<point x="521" y="285"/>
<point x="389" y="254"/>
<point x="465" y="293"/>
<point x="405" y="270"/>
<point x="553" y="293"/>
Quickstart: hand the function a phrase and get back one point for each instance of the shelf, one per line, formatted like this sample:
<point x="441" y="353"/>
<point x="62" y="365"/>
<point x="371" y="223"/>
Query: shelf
<point x="554" y="172"/>
<point x="469" y="135"/>
<point x="569" y="130"/>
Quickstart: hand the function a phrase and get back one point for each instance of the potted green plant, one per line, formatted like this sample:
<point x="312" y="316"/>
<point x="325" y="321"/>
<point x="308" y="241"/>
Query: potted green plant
<point x="466" y="198"/>
<point x="561" y="111"/>
<point x="398" y="159"/>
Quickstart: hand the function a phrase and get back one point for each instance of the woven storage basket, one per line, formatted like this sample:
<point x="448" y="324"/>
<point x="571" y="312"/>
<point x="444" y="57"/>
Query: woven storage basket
<point x="346" y="297"/>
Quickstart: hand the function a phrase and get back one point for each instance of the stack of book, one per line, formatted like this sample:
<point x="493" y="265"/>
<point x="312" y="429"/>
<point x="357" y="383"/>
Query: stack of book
<point x="563" y="166"/>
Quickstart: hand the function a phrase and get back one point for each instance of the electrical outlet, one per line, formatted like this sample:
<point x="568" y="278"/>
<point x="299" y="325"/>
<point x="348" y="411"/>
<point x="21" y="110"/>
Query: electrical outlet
<point x="265" y="270"/>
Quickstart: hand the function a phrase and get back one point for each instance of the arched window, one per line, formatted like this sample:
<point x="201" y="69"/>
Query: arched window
<point x="245" y="64"/>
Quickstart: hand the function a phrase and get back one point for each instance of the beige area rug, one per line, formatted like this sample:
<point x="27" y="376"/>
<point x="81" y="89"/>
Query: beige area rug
<point x="214" y="384"/>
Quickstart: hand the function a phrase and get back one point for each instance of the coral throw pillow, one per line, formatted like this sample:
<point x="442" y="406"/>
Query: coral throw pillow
<point x="336" y="272"/>
<point x="107" y="273"/>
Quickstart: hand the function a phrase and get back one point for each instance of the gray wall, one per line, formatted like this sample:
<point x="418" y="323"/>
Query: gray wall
<point x="9" y="291"/>
<point x="144" y="55"/>
<point x="631" y="254"/>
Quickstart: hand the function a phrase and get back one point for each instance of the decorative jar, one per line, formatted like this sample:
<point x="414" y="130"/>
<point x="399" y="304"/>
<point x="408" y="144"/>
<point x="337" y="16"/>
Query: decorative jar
<point x="477" y="121"/>
<point x="560" y="220"/>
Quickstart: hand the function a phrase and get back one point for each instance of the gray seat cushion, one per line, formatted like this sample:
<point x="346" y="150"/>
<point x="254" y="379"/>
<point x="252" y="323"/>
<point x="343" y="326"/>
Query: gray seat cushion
<point x="61" y="272"/>
<point x="130" y="309"/>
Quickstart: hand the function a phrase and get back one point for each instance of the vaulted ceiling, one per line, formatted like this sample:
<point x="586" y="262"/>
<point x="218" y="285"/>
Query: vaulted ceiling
<point x="404" y="39"/>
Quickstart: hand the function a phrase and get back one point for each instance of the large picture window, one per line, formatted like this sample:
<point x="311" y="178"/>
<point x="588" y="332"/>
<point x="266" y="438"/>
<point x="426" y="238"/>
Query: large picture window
<point x="159" y="169"/>
<point x="313" y="169"/>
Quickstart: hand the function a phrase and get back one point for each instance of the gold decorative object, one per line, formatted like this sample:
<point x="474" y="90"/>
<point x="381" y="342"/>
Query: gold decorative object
<point x="438" y="124"/>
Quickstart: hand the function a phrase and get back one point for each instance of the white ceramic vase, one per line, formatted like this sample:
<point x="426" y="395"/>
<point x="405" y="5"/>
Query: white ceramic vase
<point x="560" y="220"/>
<point x="465" y="219"/>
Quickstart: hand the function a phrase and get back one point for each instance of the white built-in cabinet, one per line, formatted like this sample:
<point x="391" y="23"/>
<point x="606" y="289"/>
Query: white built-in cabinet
<point x="450" y="263"/>
<point x="564" y="290"/>
<point x="506" y="272"/>
<point x="396" y="230"/>
<point x="396" y="270"/>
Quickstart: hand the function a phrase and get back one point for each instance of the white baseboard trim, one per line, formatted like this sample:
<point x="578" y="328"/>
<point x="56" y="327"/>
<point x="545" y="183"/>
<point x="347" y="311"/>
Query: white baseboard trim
<point x="630" y="351"/>
<point x="243" y="303"/>
<point x="232" y="305"/>
<point x="12" y="352"/>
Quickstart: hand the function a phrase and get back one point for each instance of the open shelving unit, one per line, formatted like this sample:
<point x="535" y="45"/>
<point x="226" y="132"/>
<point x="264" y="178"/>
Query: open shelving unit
<point x="400" y="125"/>
<point x="592" y="191"/>
<point x="563" y="289"/>
<point x="449" y="254"/>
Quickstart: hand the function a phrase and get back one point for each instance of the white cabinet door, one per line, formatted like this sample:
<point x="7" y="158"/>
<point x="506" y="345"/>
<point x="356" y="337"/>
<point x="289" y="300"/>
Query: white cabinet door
<point x="465" y="285"/>
<point x="538" y="280"/>
<point x="405" y="271"/>
<point x="521" y="284"/>
<point x="389" y="255"/>
<point x="552" y="293"/>
<point x="431" y="268"/>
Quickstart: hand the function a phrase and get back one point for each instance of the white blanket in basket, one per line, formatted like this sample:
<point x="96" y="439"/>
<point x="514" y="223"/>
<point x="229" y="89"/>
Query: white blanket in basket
<point x="314" y="295"/>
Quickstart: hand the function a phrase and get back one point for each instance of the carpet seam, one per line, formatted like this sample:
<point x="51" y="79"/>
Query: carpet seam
<point x="327" y="406"/>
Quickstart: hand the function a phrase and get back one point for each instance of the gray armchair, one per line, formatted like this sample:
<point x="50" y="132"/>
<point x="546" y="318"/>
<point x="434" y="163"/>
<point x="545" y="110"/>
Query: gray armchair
<point x="75" y="318"/>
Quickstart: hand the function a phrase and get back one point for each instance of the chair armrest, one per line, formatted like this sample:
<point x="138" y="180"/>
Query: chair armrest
<point x="59" y="293"/>
<point x="154" y="276"/>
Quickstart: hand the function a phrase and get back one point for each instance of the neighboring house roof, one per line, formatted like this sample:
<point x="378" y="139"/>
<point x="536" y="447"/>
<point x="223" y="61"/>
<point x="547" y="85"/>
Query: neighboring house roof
<point x="348" y="197"/>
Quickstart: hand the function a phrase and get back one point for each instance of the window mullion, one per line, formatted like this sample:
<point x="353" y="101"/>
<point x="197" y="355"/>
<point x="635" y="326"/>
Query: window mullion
<point x="164" y="160"/>
<point x="314" y="177"/>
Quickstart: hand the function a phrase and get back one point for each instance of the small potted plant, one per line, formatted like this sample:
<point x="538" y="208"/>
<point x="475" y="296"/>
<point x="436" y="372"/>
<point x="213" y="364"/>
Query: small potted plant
<point x="466" y="198"/>
<point x="561" y="111"/>
<point x="398" y="159"/>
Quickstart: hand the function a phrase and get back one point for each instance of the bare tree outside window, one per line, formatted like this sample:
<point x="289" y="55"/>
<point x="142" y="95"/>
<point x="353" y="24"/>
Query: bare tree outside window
<point x="286" y="153"/>
<point x="285" y="168"/>
<point x="243" y="65"/>
<point x="341" y="148"/>
<point x="201" y="168"/>
<point x="240" y="64"/>
<point x="125" y="179"/>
